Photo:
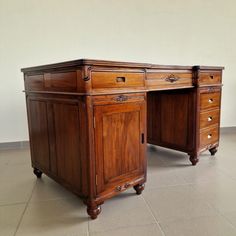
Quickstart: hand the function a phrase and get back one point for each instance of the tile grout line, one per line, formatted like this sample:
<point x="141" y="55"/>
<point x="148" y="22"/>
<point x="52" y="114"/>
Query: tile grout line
<point x="149" y="208"/>
<point x="88" y="231"/>
<point x="26" y="206"/>
<point x="221" y="214"/>
<point x="13" y="204"/>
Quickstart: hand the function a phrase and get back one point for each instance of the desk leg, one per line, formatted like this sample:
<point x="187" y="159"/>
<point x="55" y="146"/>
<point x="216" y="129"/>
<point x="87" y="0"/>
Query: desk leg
<point x="194" y="158"/>
<point x="213" y="151"/>
<point x="139" y="188"/>
<point x="38" y="173"/>
<point x="93" y="209"/>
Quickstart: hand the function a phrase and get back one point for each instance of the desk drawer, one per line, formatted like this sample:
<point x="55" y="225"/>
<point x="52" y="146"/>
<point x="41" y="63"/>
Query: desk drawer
<point x="117" y="79"/>
<point x="208" y="118"/>
<point x="209" y="100"/>
<point x="209" y="78"/>
<point x="169" y="79"/>
<point x="118" y="98"/>
<point x="209" y="136"/>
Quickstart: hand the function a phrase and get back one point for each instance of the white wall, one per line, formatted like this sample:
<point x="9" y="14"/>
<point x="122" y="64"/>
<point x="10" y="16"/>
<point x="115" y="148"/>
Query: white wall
<point x="186" y="32"/>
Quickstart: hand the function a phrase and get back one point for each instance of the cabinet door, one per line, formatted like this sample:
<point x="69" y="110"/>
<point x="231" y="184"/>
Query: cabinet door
<point x="120" y="144"/>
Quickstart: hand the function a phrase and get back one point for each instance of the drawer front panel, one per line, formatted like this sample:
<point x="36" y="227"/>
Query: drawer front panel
<point x="118" y="98"/>
<point x="209" y="100"/>
<point x="169" y="79"/>
<point x="110" y="79"/>
<point x="209" y="118"/>
<point x="58" y="81"/>
<point x="209" y="78"/>
<point x="209" y="136"/>
<point x="62" y="81"/>
<point x="34" y="82"/>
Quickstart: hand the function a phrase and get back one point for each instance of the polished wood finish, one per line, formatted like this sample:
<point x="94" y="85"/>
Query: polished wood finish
<point x="168" y="79"/>
<point x="120" y="146"/>
<point x="209" y="100"/>
<point x="90" y="120"/>
<point x="117" y="79"/>
<point x="210" y="78"/>
<point x="209" y="117"/>
<point x="170" y="119"/>
<point x="209" y="136"/>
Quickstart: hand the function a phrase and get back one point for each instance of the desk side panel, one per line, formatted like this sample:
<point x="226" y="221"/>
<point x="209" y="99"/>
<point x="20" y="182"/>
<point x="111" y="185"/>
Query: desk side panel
<point x="58" y="139"/>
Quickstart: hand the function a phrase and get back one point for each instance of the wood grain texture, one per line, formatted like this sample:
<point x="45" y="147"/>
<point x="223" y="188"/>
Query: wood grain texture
<point x="90" y="120"/>
<point x="170" y="119"/>
<point x="119" y="154"/>
<point x="209" y="136"/>
<point x="209" y="117"/>
<point x="168" y="79"/>
<point x="209" y="100"/>
<point x="116" y="79"/>
<point x="210" y="78"/>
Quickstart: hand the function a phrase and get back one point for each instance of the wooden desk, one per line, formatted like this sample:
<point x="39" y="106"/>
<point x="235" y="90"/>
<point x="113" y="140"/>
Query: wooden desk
<point x="90" y="121"/>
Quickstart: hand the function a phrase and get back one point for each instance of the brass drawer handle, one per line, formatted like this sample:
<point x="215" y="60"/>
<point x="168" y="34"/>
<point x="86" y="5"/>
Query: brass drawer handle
<point x="171" y="78"/>
<point x="118" y="188"/>
<point x="210" y="100"/>
<point x="209" y="136"/>
<point x="210" y="118"/>
<point x="120" y="79"/>
<point x="121" y="98"/>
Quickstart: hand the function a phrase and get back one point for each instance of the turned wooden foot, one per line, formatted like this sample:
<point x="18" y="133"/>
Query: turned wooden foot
<point x="194" y="159"/>
<point x="37" y="172"/>
<point x="213" y="151"/>
<point x="93" y="210"/>
<point x="139" y="188"/>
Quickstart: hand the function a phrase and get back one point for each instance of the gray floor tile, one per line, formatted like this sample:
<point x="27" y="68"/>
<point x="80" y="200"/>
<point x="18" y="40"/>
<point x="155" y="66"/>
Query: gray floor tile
<point x="58" y="217"/>
<point x="9" y="218"/>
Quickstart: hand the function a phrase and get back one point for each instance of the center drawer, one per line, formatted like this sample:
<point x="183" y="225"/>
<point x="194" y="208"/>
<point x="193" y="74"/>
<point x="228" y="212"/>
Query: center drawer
<point x="169" y="79"/>
<point x="117" y="79"/>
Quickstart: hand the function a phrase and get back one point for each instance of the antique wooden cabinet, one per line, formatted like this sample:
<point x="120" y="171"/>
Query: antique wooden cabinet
<point x="90" y="121"/>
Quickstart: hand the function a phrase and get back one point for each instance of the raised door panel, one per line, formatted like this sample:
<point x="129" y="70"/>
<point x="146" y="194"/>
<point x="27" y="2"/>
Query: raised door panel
<point x="119" y="144"/>
<point x="67" y="139"/>
<point x="38" y="128"/>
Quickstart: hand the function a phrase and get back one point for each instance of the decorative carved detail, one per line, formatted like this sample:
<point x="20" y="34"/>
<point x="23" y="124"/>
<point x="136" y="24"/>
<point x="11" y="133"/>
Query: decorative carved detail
<point x="87" y="72"/>
<point x="211" y="90"/>
<point x="118" y="188"/>
<point x="121" y="98"/>
<point x="126" y="185"/>
<point x="171" y="78"/>
<point x="86" y="78"/>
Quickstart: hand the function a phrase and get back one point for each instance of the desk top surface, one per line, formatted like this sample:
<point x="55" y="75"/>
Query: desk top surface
<point x="92" y="62"/>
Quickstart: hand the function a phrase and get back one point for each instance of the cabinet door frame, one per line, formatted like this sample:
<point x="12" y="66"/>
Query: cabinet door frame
<point x="116" y="108"/>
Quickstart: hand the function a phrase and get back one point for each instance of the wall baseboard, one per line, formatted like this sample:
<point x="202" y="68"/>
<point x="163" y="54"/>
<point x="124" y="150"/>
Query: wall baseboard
<point x="228" y="130"/>
<point x="25" y="144"/>
<point x="14" y="145"/>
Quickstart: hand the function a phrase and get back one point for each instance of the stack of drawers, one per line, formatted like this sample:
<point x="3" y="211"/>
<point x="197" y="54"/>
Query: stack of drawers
<point x="210" y="100"/>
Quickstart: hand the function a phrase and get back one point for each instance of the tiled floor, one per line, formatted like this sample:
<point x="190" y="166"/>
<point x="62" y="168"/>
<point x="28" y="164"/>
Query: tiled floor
<point x="179" y="199"/>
